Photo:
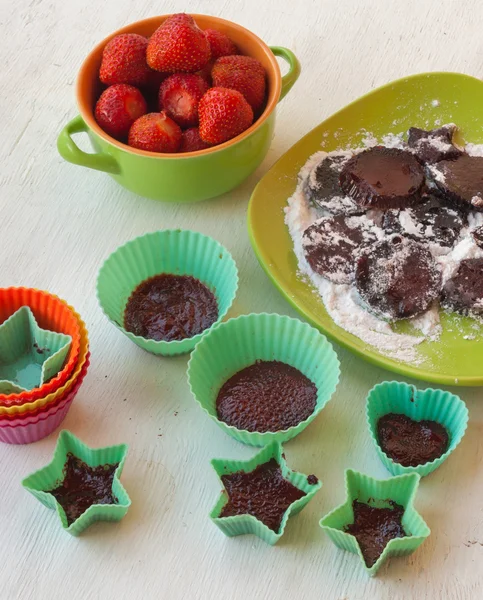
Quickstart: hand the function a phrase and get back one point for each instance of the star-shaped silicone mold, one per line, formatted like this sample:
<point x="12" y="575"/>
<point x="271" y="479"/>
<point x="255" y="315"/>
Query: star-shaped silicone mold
<point x="41" y="482"/>
<point x="29" y="355"/>
<point x="378" y="492"/>
<point x="246" y="523"/>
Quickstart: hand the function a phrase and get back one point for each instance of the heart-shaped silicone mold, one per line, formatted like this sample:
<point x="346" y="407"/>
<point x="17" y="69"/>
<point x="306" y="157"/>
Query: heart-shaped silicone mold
<point x="430" y="404"/>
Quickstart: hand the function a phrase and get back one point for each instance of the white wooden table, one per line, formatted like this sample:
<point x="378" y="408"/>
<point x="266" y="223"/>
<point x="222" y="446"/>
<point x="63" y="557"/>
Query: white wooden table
<point x="59" y="222"/>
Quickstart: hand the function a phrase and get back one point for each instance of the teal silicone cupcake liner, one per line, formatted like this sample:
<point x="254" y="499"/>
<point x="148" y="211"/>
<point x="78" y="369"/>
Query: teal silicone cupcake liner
<point x="29" y="356"/>
<point x="177" y="252"/>
<point x="377" y="492"/>
<point x="239" y="342"/>
<point x="429" y="404"/>
<point x="248" y="524"/>
<point x="40" y="482"/>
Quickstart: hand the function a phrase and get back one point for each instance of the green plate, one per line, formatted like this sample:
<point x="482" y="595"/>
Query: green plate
<point x="425" y="101"/>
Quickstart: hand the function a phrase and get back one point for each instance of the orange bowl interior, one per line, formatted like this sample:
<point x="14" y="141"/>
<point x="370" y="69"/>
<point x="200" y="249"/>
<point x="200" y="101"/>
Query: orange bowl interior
<point x="89" y="87"/>
<point x="51" y="313"/>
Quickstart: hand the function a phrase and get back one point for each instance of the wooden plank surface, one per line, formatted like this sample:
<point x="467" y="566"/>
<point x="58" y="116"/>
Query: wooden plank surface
<point x="59" y="222"/>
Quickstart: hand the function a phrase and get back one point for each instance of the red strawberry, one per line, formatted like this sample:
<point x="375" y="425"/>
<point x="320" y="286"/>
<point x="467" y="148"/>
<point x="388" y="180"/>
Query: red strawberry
<point x="124" y="60"/>
<point x="118" y="107"/>
<point x="205" y="72"/>
<point x="223" y="114"/>
<point x="220" y="43"/>
<point x="191" y="141"/>
<point x="179" y="96"/>
<point x="244" y="74"/>
<point x="178" y="45"/>
<point x="155" y="132"/>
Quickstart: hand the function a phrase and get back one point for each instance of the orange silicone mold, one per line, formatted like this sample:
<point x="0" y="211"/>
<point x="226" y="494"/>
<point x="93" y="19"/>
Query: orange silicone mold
<point x="40" y="303"/>
<point x="53" y="314"/>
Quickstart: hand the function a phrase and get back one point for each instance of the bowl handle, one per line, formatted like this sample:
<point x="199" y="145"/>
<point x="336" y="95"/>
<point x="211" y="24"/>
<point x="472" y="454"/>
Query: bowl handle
<point x="294" y="69"/>
<point x="69" y="150"/>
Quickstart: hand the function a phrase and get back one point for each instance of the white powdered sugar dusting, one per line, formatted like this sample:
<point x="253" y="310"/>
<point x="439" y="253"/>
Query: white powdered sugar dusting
<point x="342" y="300"/>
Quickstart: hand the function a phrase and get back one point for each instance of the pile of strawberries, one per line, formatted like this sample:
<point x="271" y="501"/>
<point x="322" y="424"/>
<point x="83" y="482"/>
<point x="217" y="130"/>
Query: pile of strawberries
<point x="205" y="92"/>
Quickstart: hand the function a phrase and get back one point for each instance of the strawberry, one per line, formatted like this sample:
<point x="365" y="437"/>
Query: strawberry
<point x="178" y="45"/>
<point x="205" y="72"/>
<point x="155" y="132"/>
<point x="124" y="60"/>
<point x="179" y="96"/>
<point x="191" y="141"/>
<point x="244" y="74"/>
<point x="118" y="107"/>
<point x="223" y="115"/>
<point x="220" y="44"/>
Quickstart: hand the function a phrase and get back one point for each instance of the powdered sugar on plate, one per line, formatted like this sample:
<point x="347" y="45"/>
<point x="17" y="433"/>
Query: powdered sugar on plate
<point x="342" y="300"/>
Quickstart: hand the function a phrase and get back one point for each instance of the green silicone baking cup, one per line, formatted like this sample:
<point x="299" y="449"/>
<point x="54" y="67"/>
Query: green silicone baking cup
<point x="29" y="356"/>
<point x="240" y="342"/>
<point x="248" y="524"/>
<point x="377" y="492"/>
<point x="429" y="404"/>
<point x="173" y="251"/>
<point x="49" y="477"/>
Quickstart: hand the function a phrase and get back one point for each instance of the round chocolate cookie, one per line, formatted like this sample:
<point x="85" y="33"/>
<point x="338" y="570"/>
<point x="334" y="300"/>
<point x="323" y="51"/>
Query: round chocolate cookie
<point x="434" y="145"/>
<point x="332" y="245"/>
<point x="322" y="187"/>
<point x="382" y="178"/>
<point x="461" y="180"/>
<point x="433" y="219"/>
<point x="266" y="396"/>
<point x="170" y="307"/>
<point x="463" y="293"/>
<point x="398" y="278"/>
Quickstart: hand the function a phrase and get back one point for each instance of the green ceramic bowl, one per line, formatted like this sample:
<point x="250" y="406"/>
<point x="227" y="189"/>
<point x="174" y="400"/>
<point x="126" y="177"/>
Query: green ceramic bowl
<point x="434" y="405"/>
<point x="377" y="492"/>
<point x="239" y="342"/>
<point x="192" y="176"/>
<point x="175" y="251"/>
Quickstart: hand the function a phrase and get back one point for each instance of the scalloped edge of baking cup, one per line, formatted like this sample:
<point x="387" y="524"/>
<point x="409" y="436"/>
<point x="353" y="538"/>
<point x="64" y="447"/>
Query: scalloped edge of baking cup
<point x="248" y="524"/>
<point x="173" y="251"/>
<point x="51" y="475"/>
<point x="239" y="342"/>
<point x="401" y="489"/>
<point x="18" y="336"/>
<point x="428" y="404"/>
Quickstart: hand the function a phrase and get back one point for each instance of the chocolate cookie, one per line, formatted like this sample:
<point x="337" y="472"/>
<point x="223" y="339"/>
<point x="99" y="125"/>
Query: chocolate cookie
<point x="84" y="486"/>
<point x="433" y="219"/>
<point x="398" y="278"/>
<point x="332" y="245"/>
<point x="374" y="527"/>
<point x="170" y="307"/>
<point x="266" y="396"/>
<point x="434" y="145"/>
<point x="463" y="293"/>
<point x="477" y="235"/>
<point x="461" y="180"/>
<point x="322" y="187"/>
<point x="383" y="178"/>
<point x="411" y="443"/>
